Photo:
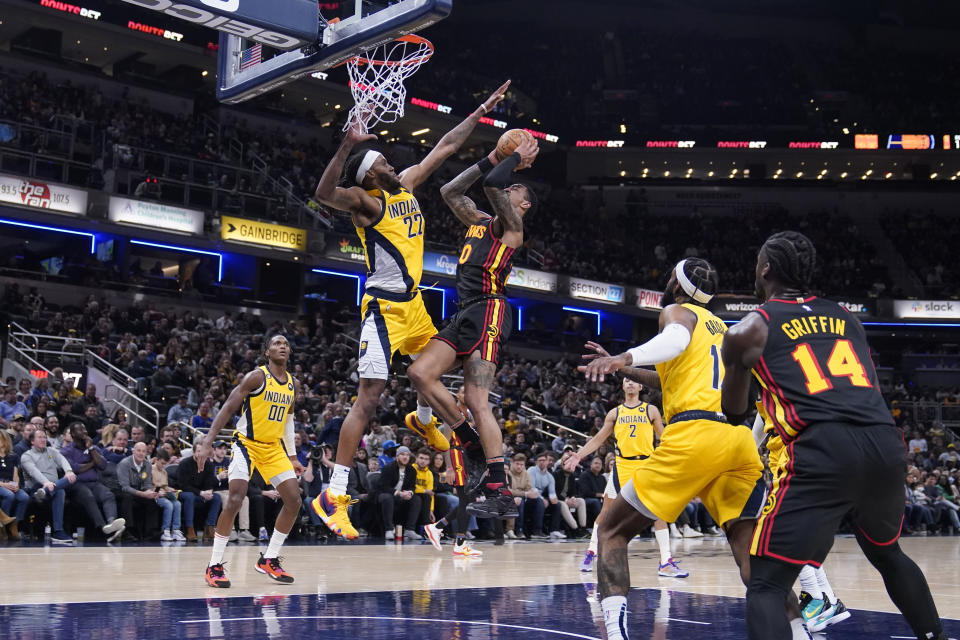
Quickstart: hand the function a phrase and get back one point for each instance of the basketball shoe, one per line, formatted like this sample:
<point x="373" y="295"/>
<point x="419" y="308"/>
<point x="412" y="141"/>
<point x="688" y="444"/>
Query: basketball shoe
<point x="217" y="577"/>
<point x="811" y="608"/>
<point x="428" y="432"/>
<point x="670" y="569"/>
<point x="433" y="535"/>
<point x="271" y="567"/>
<point x="587" y="564"/>
<point x="831" y="615"/>
<point x="465" y="550"/>
<point x="332" y="509"/>
<point x="498" y="504"/>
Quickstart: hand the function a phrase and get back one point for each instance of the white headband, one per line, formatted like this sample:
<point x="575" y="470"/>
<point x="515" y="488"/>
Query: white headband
<point x="689" y="288"/>
<point x="368" y="159"/>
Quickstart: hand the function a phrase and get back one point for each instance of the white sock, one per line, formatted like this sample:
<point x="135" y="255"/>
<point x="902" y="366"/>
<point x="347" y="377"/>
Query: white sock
<point x="615" y="617"/>
<point x="219" y="546"/>
<point x="663" y="541"/>
<point x="593" y="540"/>
<point x="338" y="480"/>
<point x="424" y="414"/>
<point x="825" y="585"/>
<point x="799" y="629"/>
<point x="808" y="582"/>
<point x="276" y="541"/>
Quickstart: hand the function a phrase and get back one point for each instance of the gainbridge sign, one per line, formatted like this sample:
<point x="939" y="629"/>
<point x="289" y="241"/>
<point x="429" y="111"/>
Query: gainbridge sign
<point x="36" y="194"/>
<point x="263" y="233"/>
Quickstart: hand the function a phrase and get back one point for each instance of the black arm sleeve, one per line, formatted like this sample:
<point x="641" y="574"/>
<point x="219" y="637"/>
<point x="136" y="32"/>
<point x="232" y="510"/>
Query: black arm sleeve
<point x="501" y="176"/>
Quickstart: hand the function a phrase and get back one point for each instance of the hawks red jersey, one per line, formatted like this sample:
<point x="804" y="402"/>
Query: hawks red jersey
<point x="485" y="263"/>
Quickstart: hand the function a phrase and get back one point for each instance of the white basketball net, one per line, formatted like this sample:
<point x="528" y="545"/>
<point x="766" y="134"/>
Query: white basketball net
<point x="376" y="80"/>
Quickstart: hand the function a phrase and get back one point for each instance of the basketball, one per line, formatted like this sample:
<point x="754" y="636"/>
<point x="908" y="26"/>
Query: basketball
<point x="510" y="140"/>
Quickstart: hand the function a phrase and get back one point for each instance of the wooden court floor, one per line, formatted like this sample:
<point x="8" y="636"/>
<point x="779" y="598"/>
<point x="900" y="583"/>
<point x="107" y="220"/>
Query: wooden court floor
<point x="53" y="575"/>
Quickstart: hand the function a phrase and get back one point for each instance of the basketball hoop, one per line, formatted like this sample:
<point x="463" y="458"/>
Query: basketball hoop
<point x="377" y="76"/>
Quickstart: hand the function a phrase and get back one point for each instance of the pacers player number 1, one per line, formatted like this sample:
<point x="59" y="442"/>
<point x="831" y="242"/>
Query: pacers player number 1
<point x="842" y="363"/>
<point x="276" y="412"/>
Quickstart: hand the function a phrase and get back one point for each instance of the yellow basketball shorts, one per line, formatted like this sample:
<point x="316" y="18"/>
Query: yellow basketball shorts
<point x="716" y="461"/>
<point x="388" y="327"/>
<point x="777" y="455"/>
<point x="270" y="458"/>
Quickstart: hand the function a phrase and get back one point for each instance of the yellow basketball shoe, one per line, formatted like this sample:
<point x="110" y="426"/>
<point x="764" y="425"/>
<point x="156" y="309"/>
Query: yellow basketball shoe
<point x="429" y="432"/>
<point x="332" y="509"/>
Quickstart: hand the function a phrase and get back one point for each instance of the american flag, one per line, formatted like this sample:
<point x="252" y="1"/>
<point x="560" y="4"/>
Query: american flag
<point x="251" y="56"/>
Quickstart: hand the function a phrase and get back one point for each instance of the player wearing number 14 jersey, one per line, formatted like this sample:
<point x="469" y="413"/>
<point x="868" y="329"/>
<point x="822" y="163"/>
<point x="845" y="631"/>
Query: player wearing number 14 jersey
<point x="842" y="454"/>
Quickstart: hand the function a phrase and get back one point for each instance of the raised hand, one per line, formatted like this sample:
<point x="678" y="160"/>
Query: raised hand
<point x="496" y="97"/>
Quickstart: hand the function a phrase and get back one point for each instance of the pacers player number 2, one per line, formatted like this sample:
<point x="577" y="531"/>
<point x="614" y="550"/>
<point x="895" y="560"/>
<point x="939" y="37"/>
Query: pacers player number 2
<point x="276" y="412"/>
<point x="842" y="363"/>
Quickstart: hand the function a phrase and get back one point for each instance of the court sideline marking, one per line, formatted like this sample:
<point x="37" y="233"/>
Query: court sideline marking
<point x="399" y="619"/>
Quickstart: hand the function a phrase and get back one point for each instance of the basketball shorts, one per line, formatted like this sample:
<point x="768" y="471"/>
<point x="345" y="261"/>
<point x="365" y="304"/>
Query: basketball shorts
<point x="828" y="471"/>
<point x="270" y="458"/>
<point x="483" y="326"/>
<point x="714" y="460"/>
<point x="623" y="470"/>
<point x="388" y="327"/>
<point x="775" y="454"/>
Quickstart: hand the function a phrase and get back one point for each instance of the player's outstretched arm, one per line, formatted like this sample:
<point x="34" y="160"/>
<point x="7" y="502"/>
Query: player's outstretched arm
<point x="593" y="443"/>
<point x="250" y="383"/>
<point x="454" y="194"/>
<point x="414" y="176"/>
<point x="646" y="377"/>
<point x="742" y="348"/>
<point x="354" y="199"/>
<point x="676" y="330"/>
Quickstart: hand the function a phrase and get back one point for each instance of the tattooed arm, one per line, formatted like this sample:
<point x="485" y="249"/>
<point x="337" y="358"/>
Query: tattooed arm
<point x="454" y="194"/>
<point x="644" y="376"/>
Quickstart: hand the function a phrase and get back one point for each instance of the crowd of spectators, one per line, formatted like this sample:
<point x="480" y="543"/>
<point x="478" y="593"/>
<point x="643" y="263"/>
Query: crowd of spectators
<point x="113" y="475"/>
<point x="925" y="240"/>
<point x="850" y="264"/>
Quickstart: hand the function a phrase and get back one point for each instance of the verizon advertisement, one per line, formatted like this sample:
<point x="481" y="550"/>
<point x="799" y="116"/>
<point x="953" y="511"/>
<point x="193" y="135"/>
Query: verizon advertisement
<point x="649" y="299"/>
<point x="728" y="306"/>
<point x="941" y="309"/>
<point x="28" y="192"/>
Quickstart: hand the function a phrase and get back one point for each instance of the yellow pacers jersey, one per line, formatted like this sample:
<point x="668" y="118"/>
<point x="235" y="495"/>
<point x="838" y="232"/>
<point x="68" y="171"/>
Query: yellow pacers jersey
<point x="633" y="431"/>
<point x="265" y="412"/>
<point x="691" y="381"/>
<point x="394" y="245"/>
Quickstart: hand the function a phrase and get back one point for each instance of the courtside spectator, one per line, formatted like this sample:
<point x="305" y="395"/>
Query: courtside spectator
<point x="40" y="466"/>
<point x="24" y="432"/>
<point x="87" y="462"/>
<point x="138" y="495"/>
<point x="119" y="447"/>
<point x="197" y="490"/>
<point x="167" y="500"/>
<point x="424" y="487"/>
<point x="591" y="485"/>
<point x="13" y="499"/>
<point x="396" y="497"/>
<point x="543" y="481"/>
<point x="521" y="487"/>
